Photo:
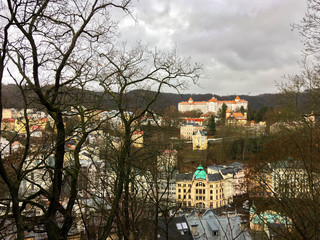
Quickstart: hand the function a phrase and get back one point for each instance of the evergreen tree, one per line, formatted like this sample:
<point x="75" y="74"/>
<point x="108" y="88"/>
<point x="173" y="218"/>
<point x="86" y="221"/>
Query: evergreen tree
<point x="212" y="125"/>
<point x="242" y="110"/>
<point x="222" y="113"/>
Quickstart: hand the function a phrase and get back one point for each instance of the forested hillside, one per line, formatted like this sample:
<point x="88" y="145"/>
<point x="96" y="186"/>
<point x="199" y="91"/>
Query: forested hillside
<point x="12" y="97"/>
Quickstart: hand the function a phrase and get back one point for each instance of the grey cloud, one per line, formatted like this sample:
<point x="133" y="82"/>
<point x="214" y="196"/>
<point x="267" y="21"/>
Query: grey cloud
<point x="250" y="41"/>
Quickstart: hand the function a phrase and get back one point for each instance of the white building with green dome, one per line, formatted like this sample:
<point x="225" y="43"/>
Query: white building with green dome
<point x="200" y="190"/>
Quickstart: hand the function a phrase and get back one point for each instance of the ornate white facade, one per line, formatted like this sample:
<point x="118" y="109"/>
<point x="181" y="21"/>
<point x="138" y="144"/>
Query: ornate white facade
<point x="213" y="105"/>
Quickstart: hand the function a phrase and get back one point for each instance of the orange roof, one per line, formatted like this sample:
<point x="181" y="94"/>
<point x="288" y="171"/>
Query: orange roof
<point x="16" y="143"/>
<point x="190" y="101"/>
<point x="138" y="132"/>
<point x="238" y="115"/>
<point x="213" y="100"/>
<point x="228" y="110"/>
<point x="252" y="121"/>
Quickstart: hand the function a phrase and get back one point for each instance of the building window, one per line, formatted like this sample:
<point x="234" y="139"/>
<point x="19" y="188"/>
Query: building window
<point x="211" y="198"/>
<point x="184" y="190"/>
<point x="179" y="190"/>
<point x="211" y="192"/>
<point x="179" y="196"/>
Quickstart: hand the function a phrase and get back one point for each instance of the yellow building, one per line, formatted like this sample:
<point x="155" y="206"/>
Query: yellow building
<point x="137" y="139"/>
<point x="34" y="125"/>
<point x="199" y="140"/>
<point x="7" y="124"/>
<point x="20" y="126"/>
<point x="200" y="190"/>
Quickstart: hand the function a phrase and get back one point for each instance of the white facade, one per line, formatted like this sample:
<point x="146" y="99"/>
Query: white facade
<point x="213" y="105"/>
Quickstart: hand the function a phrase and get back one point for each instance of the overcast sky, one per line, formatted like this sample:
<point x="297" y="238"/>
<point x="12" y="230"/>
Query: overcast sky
<point x="245" y="46"/>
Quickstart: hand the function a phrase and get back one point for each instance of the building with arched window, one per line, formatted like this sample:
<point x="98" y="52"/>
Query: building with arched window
<point x="200" y="190"/>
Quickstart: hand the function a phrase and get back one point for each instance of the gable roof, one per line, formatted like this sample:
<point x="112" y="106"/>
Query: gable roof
<point x="238" y="115"/>
<point x="178" y="228"/>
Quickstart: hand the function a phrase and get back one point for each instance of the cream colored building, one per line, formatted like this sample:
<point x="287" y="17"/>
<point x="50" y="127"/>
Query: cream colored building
<point x="186" y="131"/>
<point x="213" y="105"/>
<point x="200" y="140"/>
<point x="200" y="190"/>
<point x="7" y="113"/>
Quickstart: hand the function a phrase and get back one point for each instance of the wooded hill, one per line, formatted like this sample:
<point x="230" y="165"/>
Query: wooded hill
<point x="12" y="98"/>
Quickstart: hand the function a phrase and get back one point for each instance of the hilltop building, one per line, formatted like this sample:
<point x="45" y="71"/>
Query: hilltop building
<point x="213" y="105"/>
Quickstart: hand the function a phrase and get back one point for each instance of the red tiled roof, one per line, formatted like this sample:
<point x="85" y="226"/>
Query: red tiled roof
<point x="7" y="120"/>
<point x="194" y="119"/>
<point x="138" y="132"/>
<point x="35" y="128"/>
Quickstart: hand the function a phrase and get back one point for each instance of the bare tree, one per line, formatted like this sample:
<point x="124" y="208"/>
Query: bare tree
<point x="58" y="51"/>
<point x="47" y="49"/>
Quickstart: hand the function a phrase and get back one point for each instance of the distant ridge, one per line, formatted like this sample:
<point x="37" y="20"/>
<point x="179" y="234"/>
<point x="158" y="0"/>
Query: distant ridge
<point x="12" y="98"/>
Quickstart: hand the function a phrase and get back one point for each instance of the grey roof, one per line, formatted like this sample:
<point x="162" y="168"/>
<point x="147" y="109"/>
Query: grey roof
<point x="203" y="133"/>
<point x="237" y="165"/>
<point x="227" y="171"/>
<point x="228" y="227"/>
<point x="178" y="228"/>
<point x="184" y="176"/>
<point x="215" y="177"/>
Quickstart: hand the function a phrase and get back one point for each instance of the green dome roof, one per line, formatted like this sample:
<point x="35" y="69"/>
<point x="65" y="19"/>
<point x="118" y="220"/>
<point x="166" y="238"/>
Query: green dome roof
<point x="200" y="173"/>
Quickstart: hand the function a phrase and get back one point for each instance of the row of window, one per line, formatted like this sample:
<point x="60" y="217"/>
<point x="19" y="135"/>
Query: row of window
<point x="201" y="197"/>
<point x="202" y="205"/>
<point x="199" y="184"/>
